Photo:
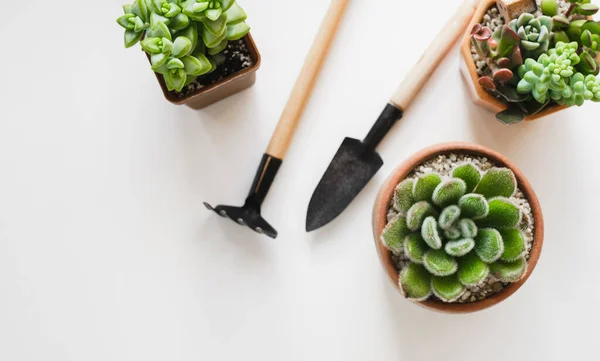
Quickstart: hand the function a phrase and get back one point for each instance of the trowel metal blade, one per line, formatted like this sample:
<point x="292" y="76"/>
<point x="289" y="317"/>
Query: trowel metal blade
<point x="349" y="172"/>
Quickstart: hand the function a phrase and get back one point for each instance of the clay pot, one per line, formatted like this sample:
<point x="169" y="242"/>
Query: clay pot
<point x="479" y="95"/>
<point x="384" y="197"/>
<point x="233" y="84"/>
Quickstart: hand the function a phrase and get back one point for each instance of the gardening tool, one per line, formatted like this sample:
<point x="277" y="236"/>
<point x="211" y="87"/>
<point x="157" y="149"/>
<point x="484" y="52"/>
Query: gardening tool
<point x="356" y="162"/>
<point x="249" y="214"/>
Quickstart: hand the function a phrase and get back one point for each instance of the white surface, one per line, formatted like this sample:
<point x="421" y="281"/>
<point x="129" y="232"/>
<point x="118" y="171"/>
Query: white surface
<point x="106" y="252"/>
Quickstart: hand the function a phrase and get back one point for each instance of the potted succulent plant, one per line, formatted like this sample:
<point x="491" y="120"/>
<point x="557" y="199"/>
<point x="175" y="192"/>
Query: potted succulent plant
<point x="200" y="50"/>
<point x="458" y="228"/>
<point x="525" y="59"/>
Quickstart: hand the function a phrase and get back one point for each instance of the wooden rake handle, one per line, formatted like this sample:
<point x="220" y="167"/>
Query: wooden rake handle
<point x="437" y="50"/>
<point x="305" y="83"/>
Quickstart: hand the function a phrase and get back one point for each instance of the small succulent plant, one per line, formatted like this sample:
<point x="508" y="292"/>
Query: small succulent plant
<point x="535" y="33"/>
<point x="184" y="39"/>
<point x="456" y="232"/>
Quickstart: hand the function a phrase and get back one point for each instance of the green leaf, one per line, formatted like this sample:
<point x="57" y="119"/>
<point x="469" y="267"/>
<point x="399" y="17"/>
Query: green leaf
<point x="452" y="233"/>
<point x="497" y="182"/>
<point x="415" y="282"/>
<point x="417" y="213"/>
<point x="182" y="46"/>
<point x="448" y="289"/>
<point x="415" y="247"/>
<point x="511" y="115"/>
<point x="488" y="245"/>
<point x="468" y="228"/>
<point x="152" y="45"/>
<point x="156" y="19"/>
<point x="460" y="247"/>
<point x="216" y="27"/>
<point x="158" y="60"/>
<point x="219" y="48"/>
<point x="211" y="40"/>
<point x="140" y="9"/>
<point x="549" y="7"/>
<point x="213" y="14"/>
<point x="394" y="233"/>
<point x="473" y="206"/>
<point x="191" y="32"/>
<point x="469" y="173"/>
<point x="192" y="65"/>
<point x="207" y="66"/>
<point x="439" y="263"/>
<point x="159" y="30"/>
<point x="514" y="244"/>
<point x="448" y="217"/>
<point x="503" y="214"/>
<point x="429" y="232"/>
<point x="235" y="15"/>
<point x="176" y="78"/>
<point x="124" y="21"/>
<point x="509" y="271"/>
<point x="132" y="38"/>
<point x="175" y="63"/>
<point x="472" y="270"/>
<point x="403" y="196"/>
<point x="449" y="192"/>
<point x="180" y="22"/>
<point x="237" y="31"/>
<point x="425" y="185"/>
<point x="227" y="4"/>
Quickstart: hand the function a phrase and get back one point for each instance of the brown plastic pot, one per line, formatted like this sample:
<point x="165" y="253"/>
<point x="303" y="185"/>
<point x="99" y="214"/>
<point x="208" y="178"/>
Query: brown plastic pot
<point x="233" y="84"/>
<point x="467" y="65"/>
<point x="382" y="205"/>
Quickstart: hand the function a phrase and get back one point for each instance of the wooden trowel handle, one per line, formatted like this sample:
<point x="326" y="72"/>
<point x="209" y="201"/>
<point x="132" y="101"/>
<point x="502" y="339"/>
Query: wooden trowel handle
<point x="302" y="90"/>
<point x="437" y="50"/>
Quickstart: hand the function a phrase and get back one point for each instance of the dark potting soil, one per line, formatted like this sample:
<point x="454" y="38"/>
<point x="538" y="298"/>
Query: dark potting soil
<point x="237" y="57"/>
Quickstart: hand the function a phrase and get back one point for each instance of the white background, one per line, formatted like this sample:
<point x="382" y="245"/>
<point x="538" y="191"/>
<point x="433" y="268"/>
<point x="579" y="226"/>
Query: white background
<point x="106" y="252"/>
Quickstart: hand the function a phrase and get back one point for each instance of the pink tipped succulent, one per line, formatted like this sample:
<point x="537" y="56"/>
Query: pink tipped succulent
<point x="487" y="83"/>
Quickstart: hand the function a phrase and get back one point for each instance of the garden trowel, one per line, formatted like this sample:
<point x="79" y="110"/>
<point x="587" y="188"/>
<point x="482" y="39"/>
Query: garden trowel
<point x="356" y="162"/>
<point x="249" y="214"/>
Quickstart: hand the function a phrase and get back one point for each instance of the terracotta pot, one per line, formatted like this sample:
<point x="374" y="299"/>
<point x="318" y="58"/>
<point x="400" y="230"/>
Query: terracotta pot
<point x="469" y="70"/>
<point x="384" y="197"/>
<point x="233" y="84"/>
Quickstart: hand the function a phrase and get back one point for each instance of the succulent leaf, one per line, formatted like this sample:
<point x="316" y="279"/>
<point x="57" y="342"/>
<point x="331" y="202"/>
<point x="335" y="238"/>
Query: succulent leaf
<point x="473" y="206"/>
<point x="468" y="228"/>
<point x="452" y="233"/>
<point x="472" y="270"/>
<point x="549" y="7"/>
<point x="237" y="31"/>
<point x="497" y="182"/>
<point x="429" y="232"/>
<point x="394" y="233"/>
<point x="488" y="245"/>
<point x="448" y="289"/>
<point x="415" y="247"/>
<point x="509" y="271"/>
<point x="514" y="245"/>
<point x="460" y="247"/>
<point x="449" y="192"/>
<point x="503" y="214"/>
<point x="439" y="263"/>
<point x="415" y="282"/>
<point x="403" y="196"/>
<point x="425" y="185"/>
<point x="417" y="214"/>
<point x="469" y="173"/>
<point x="448" y="217"/>
<point x="235" y="14"/>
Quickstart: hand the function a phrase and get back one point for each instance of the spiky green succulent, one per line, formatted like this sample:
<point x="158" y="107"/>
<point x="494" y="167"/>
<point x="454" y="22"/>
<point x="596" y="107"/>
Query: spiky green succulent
<point x="184" y="39"/>
<point x="535" y="33"/>
<point x="456" y="231"/>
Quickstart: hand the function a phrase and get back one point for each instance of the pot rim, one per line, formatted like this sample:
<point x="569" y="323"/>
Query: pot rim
<point x="486" y="97"/>
<point x="256" y="57"/>
<point x="384" y="198"/>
